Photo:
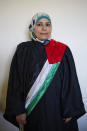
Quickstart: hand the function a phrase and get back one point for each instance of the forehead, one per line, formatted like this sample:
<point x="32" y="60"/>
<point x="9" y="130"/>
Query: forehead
<point x="43" y="20"/>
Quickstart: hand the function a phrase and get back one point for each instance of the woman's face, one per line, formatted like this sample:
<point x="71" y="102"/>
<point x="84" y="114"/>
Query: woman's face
<point x="43" y="29"/>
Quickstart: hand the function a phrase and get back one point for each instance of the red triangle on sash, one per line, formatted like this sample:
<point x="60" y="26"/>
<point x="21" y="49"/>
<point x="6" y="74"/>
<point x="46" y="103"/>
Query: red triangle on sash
<point x="55" y="51"/>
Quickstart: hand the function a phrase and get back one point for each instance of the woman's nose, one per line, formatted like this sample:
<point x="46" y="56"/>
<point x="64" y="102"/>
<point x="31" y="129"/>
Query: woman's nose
<point x="44" y="27"/>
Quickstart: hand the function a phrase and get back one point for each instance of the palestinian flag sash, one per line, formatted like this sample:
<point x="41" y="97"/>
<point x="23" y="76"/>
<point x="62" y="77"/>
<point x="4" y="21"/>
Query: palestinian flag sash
<point x="55" y="51"/>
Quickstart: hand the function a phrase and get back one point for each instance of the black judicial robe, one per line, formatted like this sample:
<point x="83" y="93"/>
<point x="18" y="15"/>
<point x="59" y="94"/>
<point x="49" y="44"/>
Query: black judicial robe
<point x="62" y="99"/>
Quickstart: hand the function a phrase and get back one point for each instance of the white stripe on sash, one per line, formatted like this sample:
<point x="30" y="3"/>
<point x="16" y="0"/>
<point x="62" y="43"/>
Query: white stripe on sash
<point x="38" y="83"/>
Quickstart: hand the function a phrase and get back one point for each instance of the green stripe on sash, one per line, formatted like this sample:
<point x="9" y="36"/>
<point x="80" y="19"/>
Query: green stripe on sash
<point x="43" y="88"/>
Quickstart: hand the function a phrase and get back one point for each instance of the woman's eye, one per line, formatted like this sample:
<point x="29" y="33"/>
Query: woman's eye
<point x="48" y="24"/>
<point x="39" y="24"/>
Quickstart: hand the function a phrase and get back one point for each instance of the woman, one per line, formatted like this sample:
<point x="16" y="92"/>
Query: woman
<point x="43" y="89"/>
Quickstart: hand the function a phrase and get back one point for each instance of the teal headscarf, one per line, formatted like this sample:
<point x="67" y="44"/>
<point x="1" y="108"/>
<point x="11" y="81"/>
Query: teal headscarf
<point x="35" y="19"/>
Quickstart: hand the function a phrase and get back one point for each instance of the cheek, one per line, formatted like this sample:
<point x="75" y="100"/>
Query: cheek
<point x="37" y="31"/>
<point x="50" y="30"/>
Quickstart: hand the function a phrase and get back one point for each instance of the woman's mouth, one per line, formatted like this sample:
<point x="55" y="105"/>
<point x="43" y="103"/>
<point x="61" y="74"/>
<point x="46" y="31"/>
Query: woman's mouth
<point x="44" y="33"/>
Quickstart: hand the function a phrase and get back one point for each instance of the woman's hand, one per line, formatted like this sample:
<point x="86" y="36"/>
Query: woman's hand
<point x="21" y="119"/>
<point x="67" y="119"/>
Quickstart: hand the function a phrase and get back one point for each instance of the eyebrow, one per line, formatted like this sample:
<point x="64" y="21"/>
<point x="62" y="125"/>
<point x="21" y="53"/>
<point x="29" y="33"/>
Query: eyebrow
<point x="43" y="22"/>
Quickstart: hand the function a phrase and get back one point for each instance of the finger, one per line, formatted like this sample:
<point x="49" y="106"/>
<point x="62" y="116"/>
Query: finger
<point x="67" y="119"/>
<point x="23" y="121"/>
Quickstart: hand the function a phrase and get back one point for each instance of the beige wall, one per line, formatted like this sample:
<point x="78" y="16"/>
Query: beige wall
<point x="69" y="19"/>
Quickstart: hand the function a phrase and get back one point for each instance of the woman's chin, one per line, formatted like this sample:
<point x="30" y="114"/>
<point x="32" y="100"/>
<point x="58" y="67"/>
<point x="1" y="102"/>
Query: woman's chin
<point x="44" y="38"/>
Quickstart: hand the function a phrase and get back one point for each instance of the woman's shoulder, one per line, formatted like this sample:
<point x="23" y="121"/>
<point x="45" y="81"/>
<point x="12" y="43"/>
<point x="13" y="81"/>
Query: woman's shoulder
<point x="24" y="47"/>
<point x="61" y="45"/>
<point x="24" y="44"/>
<point x="58" y="43"/>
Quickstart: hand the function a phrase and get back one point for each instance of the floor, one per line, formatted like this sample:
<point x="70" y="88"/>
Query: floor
<point x="5" y="125"/>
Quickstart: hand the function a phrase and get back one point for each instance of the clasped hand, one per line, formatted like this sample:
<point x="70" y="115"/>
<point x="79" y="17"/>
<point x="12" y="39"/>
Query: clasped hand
<point x="21" y="119"/>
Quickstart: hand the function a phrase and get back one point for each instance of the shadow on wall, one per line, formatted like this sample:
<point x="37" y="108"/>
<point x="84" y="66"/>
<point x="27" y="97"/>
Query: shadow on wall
<point x="3" y="92"/>
<point x="28" y="35"/>
<point x="3" y="95"/>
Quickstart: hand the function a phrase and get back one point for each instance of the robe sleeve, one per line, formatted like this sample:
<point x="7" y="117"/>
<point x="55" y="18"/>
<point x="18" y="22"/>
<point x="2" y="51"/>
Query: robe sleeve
<point x="15" y="102"/>
<point x="71" y="97"/>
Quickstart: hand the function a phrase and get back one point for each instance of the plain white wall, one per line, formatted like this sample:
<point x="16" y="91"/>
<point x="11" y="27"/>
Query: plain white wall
<point x="69" y="18"/>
